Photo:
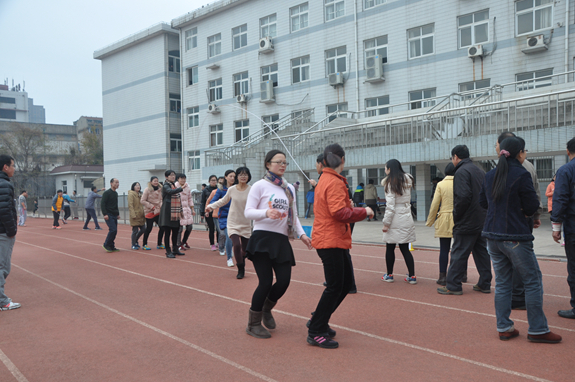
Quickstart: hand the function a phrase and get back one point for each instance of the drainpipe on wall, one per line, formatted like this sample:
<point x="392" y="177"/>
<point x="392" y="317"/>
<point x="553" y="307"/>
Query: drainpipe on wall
<point x="182" y="115"/>
<point x="356" y="56"/>
<point x="566" y="38"/>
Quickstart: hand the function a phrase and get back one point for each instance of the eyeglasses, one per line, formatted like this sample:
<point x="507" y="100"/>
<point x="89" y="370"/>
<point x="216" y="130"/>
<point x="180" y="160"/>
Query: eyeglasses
<point x="281" y="163"/>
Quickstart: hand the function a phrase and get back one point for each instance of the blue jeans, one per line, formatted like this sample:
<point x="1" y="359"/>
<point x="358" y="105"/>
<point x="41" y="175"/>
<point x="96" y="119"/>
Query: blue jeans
<point x="229" y="244"/>
<point x="505" y="256"/>
<point x="6" y="246"/>
<point x="112" y="224"/>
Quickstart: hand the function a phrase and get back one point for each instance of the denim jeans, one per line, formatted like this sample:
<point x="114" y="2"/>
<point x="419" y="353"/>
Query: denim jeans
<point x="23" y="216"/>
<point x="519" y="254"/>
<point x="6" y="246"/>
<point x="228" y="244"/>
<point x="112" y="224"/>
<point x="570" y="252"/>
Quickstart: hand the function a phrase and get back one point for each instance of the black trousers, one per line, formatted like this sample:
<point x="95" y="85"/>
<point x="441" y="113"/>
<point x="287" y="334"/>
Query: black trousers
<point x="462" y="247"/>
<point x="570" y="252"/>
<point x="211" y="228"/>
<point x="265" y="269"/>
<point x="56" y="218"/>
<point x="173" y="231"/>
<point x="149" y="226"/>
<point x="239" y="244"/>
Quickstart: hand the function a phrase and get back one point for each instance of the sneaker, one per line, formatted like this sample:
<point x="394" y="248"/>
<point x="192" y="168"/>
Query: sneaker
<point x="146" y="248"/>
<point x="411" y="280"/>
<point x="64" y="221"/>
<point x="223" y="253"/>
<point x="506" y="336"/>
<point x="85" y="229"/>
<point x="181" y="248"/>
<point x="115" y="249"/>
<point x="477" y="288"/>
<point x="11" y="305"/>
<point x="230" y="263"/>
<point x="330" y="331"/>
<point x="135" y="247"/>
<point x="161" y="246"/>
<point x="214" y="247"/>
<point x="323" y="341"/>
<point x="58" y="227"/>
<point x="186" y="246"/>
<point x="444" y="290"/>
<point x="106" y="249"/>
<point x="548" y="338"/>
<point x="387" y="278"/>
<point x="98" y="229"/>
<point x="53" y="227"/>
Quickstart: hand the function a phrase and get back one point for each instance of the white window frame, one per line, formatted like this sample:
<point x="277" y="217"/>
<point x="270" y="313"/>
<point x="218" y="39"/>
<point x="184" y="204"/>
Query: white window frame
<point x="472" y="26"/>
<point x="336" y="107"/>
<point x="534" y="80"/>
<point x="419" y="39"/>
<point x="191" y="36"/>
<point x="381" y="106"/>
<point x="334" y="9"/>
<point x="242" y="128"/>
<point x="215" y="90"/>
<point x="480" y="83"/>
<point x="376" y="49"/>
<point x="422" y="101"/>
<point x="174" y="64"/>
<point x="240" y="37"/>
<point x="373" y="3"/>
<point x="214" y="45"/>
<point x="544" y="173"/>
<point x="336" y="58"/>
<point x="193" y="75"/>
<point x="269" y="120"/>
<point x="534" y="9"/>
<point x="216" y="135"/>
<point x="268" y="26"/>
<point x="301" y="14"/>
<point x="241" y="83"/>
<point x="175" y="139"/>
<point x="175" y="103"/>
<point x="269" y="73"/>
<point x="300" y="65"/>
<point x="194" y="116"/>
<point x="194" y="160"/>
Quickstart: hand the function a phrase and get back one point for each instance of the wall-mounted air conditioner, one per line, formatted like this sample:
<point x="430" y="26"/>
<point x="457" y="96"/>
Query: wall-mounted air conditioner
<point x="241" y="98"/>
<point x="267" y="92"/>
<point x="475" y="51"/>
<point x="534" y="44"/>
<point x="212" y="108"/>
<point x="335" y="79"/>
<point x="213" y="66"/>
<point x="266" y="45"/>
<point x="374" y="69"/>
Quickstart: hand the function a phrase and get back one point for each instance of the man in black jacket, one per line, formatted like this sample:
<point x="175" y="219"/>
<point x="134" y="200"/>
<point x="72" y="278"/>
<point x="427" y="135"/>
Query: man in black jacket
<point x="8" y="219"/>
<point x="468" y="219"/>
<point x="111" y="214"/>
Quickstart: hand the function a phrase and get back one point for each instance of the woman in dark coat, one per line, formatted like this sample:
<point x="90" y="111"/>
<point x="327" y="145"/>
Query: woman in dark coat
<point x="171" y="213"/>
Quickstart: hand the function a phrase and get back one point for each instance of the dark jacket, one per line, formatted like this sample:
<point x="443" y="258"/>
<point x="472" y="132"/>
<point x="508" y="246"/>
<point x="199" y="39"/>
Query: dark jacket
<point x="223" y="211"/>
<point x="564" y="197"/>
<point x="166" y="210"/>
<point x="468" y="215"/>
<point x="506" y="218"/>
<point x="109" y="203"/>
<point x="8" y="215"/>
<point x="205" y="196"/>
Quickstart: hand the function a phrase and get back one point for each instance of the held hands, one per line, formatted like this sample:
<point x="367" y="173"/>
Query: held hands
<point x="557" y="236"/>
<point x="273" y="214"/>
<point x="307" y="241"/>
<point x="385" y="228"/>
<point x="369" y="212"/>
<point x="208" y="209"/>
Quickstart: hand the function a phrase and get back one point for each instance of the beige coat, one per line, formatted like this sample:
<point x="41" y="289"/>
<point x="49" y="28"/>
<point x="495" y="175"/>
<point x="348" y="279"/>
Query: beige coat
<point x="152" y="200"/>
<point x="370" y="192"/>
<point x="137" y="218"/>
<point x="441" y="210"/>
<point x="398" y="215"/>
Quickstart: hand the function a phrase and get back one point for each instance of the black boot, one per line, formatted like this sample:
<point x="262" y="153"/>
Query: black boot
<point x="255" y="327"/>
<point x="241" y="271"/>
<point x="442" y="279"/>
<point x="169" y="253"/>
<point x="267" y="318"/>
<point x="177" y="252"/>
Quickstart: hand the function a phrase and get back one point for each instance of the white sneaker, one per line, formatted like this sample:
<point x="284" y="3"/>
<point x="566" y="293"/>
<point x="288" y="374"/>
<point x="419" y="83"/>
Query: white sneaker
<point x="223" y="253"/>
<point x="10" y="306"/>
<point x="230" y="263"/>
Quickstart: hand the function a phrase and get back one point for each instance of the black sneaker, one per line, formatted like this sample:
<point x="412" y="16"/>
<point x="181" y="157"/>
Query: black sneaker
<point x="323" y="341"/>
<point x="115" y="249"/>
<point x="98" y="229"/>
<point x="330" y="331"/>
<point x="86" y="229"/>
<point x="106" y="249"/>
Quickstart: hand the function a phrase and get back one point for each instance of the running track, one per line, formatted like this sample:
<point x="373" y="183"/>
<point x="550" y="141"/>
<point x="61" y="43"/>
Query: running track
<point x="88" y="315"/>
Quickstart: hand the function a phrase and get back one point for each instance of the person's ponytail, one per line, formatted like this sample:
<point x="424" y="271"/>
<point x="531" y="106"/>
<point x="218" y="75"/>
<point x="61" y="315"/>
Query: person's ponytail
<point x="509" y="148"/>
<point x="333" y="156"/>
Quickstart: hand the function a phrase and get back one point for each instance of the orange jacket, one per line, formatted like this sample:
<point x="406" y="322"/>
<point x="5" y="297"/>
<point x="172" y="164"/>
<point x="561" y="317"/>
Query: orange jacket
<point x="549" y="194"/>
<point x="333" y="212"/>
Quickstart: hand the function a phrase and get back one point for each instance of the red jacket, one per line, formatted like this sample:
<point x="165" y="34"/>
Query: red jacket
<point x="333" y="212"/>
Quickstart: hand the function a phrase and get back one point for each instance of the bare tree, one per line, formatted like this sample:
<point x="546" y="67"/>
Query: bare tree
<point x="91" y="152"/>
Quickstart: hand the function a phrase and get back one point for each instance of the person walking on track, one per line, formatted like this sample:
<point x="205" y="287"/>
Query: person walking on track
<point x="152" y="201"/>
<point x="57" y="202"/>
<point x="213" y="183"/>
<point x="137" y="219"/>
<point x="171" y="213"/>
<point x="90" y="209"/>
<point x="187" y="221"/>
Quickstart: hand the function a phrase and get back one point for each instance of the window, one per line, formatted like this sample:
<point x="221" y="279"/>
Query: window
<point x="337" y="107"/>
<point x="374" y="106"/>
<point x="64" y="186"/>
<point x="543" y="167"/>
<point x="373" y="3"/>
<point x="300" y="69"/>
<point x="377" y="174"/>
<point x="534" y="80"/>
<point x="194" y="116"/>
<point x="191" y="38"/>
<point x="214" y="45"/>
<point x="270" y="73"/>
<point x="334" y="9"/>
<point x="216" y="135"/>
<point x="241" y="84"/>
<point x="88" y="183"/>
<point x="193" y="75"/>
<point x="473" y="28"/>
<point x="7" y="114"/>
<point x="242" y="129"/>
<point x="174" y="61"/>
<point x="269" y="120"/>
<point x="474" y="85"/>
<point x="301" y="116"/>
<point x="7" y="100"/>
<point x="175" y="103"/>
<point x="298" y="17"/>
<point x="194" y="160"/>
<point x="268" y="26"/>
<point x="418" y="97"/>
<point x="420" y="41"/>
<point x="533" y="15"/>
<point x="215" y="90"/>
<point x="336" y="60"/>
<point x="176" y="143"/>
<point x="240" y="36"/>
<point x="376" y="47"/>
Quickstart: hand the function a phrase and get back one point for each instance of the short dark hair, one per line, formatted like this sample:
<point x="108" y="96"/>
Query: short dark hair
<point x="505" y="134"/>
<point x="5" y="160"/>
<point x="112" y="180"/>
<point x="361" y="184"/>
<point x="204" y="185"/>
<point x="58" y="191"/>
<point x="461" y="151"/>
<point x="571" y="146"/>
<point x="212" y="176"/>
<point x="449" y="169"/>
<point x="319" y="158"/>
<point x="23" y="191"/>
<point x="371" y="181"/>
<point x="93" y="188"/>
<point x="181" y="175"/>
<point x="169" y="172"/>
<point x="243" y="170"/>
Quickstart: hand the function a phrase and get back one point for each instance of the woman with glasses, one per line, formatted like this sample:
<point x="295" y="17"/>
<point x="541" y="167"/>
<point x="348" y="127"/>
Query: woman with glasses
<point x="271" y="205"/>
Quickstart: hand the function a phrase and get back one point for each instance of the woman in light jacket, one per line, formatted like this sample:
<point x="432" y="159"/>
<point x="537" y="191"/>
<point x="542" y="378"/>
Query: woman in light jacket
<point x="187" y="221"/>
<point x="398" y="226"/>
<point x="441" y="214"/>
<point x="137" y="219"/>
<point x="152" y="202"/>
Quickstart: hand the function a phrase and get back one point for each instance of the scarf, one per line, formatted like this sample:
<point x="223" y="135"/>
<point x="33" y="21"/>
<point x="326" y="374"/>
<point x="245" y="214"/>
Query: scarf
<point x="175" y="205"/>
<point x="279" y="181"/>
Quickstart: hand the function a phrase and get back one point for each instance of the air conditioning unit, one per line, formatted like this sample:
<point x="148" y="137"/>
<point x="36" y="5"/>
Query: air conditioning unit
<point x="213" y="66"/>
<point x="266" y="45"/>
<point x="267" y="92"/>
<point x="241" y="98"/>
<point x="374" y="69"/>
<point x="212" y="108"/>
<point x="475" y="51"/>
<point x="335" y="79"/>
<point x="534" y="44"/>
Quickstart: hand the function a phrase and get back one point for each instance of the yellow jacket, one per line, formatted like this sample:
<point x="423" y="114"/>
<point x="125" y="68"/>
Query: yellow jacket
<point x="441" y="210"/>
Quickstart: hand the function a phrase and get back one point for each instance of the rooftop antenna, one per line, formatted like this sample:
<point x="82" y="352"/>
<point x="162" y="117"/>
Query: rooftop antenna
<point x="24" y="86"/>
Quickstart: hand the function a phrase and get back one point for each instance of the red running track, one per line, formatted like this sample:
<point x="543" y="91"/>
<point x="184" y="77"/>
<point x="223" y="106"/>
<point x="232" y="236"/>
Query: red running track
<point x="88" y="315"/>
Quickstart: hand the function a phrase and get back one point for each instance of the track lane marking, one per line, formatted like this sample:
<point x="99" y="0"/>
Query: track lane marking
<point x="12" y="368"/>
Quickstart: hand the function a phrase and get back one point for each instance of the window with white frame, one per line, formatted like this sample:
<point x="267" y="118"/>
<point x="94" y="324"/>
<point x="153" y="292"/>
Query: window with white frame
<point x="269" y="122"/>
<point x="376" y="47"/>
<point x="336" y="60"/>
<point x="191" y="38"/>
<point x="421" y="98"/>
<point x="174" y="61"/>
<point x="242" y="129"/>
<point x="176" y="143"/>
<point x="300" y="69"/>
<point x="64" y="186"/>
<point x="375" y="106"/>
<point x="270" y="73"/>
<point x="534" y="80"/>
<point x="194" y="160"/>
<point x="268" y="26"/>
<point x="216" y="135"/>
<point x="334" y="9"/>
<point x="543" y="167"/>
<point x="301" y="116"/>
<point x="533" y="15"/>
<point x="215" y="90"/>
<point x="474" y="85"/>
<point x="194" y="116"/>
<point x="298" y="17"/>
<point x="373" y="3"/>
<point x="420" y="41"/>
<point x="337" y="107"/>
<point x="192" y="75"/>
<point x="240" y="36"/>
<point x="175" y="103"/>
<point x="473" y="29"/>
<point x="214" y="45"/>
<point x="241" y="84"/>
<point x="377" y="174"/>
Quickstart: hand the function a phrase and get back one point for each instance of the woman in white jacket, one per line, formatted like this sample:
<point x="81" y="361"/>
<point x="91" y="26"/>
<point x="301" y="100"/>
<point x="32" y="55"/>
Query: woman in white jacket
<point x="398" y="226"/>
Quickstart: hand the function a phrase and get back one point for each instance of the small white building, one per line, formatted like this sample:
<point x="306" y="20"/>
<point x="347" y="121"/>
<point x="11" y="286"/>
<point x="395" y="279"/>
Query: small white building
<point x="76" y="177"/>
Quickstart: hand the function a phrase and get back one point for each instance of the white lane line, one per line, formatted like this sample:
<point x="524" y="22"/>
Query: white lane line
<point x="157" y="330"/>
<point x="12" y="368"/>
<point x="431" y="351"/>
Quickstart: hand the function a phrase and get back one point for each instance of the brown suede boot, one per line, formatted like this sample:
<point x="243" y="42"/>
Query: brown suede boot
<point x="442" y="279"/>
<point x="255" y="327"/>
<point x="267" y="318"/>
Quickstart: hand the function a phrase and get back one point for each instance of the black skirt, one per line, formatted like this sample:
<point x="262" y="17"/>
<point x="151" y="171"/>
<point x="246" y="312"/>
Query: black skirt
<point x="271" y="244"/>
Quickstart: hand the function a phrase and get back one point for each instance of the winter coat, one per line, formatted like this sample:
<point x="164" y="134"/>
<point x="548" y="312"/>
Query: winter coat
<point x="441" y="210"/>
<point x="358" y="195"/>
<point x="152" y="200"/>
<point x="57" y="202"/>
<point x="564" y="197"/>
<point x="468" y="215"/>
<point x="166" y="210"/>
<point x="398" y="215"/>
<point x="206" y="192"/>
<point x="223" y="211"/>
<point x="187" y="204"/>
<point x="8" y="216"/>
<point x="370" y="193"/>
<point x="549" y="194"/>
<point x="136" y="209"/>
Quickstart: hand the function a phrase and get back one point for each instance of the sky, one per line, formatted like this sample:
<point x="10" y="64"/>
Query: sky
<point x="50" y="44"/>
